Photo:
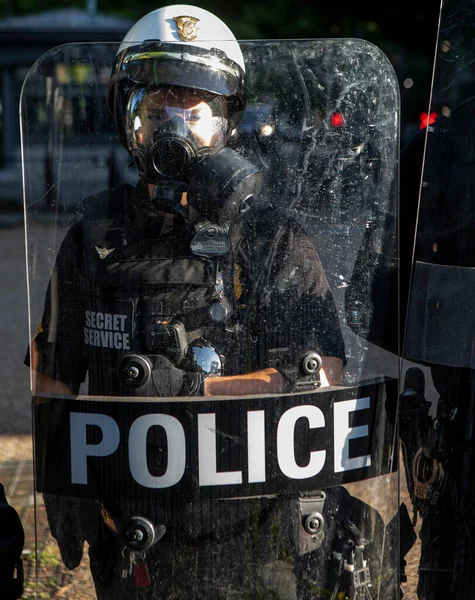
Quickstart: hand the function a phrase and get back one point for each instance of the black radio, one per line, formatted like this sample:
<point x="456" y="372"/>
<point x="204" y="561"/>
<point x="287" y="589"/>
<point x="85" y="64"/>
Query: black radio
<point x="167" y="338"/>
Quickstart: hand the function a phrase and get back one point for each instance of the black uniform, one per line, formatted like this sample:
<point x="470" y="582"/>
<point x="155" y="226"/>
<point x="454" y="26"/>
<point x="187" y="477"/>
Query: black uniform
<point x="121" y="271"/>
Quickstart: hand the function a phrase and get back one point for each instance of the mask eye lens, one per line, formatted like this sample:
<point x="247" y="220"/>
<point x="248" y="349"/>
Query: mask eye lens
<point x="194" y="117"/>
<point x="170" y="129"/>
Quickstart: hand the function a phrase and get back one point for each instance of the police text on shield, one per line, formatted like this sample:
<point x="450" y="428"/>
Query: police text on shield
<point x="207" y="431"/>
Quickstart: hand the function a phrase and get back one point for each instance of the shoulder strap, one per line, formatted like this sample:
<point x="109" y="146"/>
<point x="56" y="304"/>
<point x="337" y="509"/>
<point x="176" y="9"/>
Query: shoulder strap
<point x="262" y="235"/>
<point x="107" y="203"/>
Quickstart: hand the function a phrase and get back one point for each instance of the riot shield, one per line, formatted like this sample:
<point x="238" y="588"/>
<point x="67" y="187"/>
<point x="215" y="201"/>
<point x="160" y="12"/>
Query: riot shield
<point x="437" y="403"/>
<point x="206" y="422"/>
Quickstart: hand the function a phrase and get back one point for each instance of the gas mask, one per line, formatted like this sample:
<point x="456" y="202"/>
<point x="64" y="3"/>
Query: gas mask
<point x="169" y="131"/>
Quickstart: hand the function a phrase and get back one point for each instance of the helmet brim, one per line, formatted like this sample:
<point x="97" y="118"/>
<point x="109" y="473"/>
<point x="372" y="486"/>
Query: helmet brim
<point x="175" y="67"/>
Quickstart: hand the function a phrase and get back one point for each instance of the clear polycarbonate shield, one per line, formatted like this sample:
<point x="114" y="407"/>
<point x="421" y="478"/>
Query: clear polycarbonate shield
<point x="437" y="406"/>
<point x="210" y="419"/>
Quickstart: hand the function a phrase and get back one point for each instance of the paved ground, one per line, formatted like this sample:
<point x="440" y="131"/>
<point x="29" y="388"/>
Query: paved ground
<point x="14" y="387"/>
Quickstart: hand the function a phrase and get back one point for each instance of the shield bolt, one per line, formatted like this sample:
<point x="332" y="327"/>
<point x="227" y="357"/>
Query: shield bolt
<point x="313" y="523"/>
<point x="137" y="535"/>
<point x="312" y="363"/>
<point x="133" y="372"/>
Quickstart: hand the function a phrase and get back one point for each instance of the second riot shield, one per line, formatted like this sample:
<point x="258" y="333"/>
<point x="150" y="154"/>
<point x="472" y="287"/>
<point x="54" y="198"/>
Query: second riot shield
<point x="437" y="407"/>
<point x="206" y="420"/>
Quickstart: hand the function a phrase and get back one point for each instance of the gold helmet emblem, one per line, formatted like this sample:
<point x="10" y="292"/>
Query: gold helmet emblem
<point x="187" y="27"/>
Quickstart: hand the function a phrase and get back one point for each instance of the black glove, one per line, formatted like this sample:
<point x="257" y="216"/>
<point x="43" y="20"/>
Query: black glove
<point x="193" y="384"/>
<point x="158" y="376"/>
<point x="167" y="380"/>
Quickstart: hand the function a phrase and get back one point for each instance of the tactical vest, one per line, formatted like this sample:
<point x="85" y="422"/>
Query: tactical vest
<point x="152" y="296"/>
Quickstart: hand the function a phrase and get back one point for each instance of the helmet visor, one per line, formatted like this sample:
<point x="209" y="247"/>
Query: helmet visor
<point x="209" y="72"/>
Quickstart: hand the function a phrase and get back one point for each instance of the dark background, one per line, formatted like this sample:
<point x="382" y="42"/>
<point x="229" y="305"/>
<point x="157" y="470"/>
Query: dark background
<point x="405" y="31"/>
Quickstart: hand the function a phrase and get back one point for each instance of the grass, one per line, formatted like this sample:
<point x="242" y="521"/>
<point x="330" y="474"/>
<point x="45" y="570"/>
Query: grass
<point x="48" y="557"/>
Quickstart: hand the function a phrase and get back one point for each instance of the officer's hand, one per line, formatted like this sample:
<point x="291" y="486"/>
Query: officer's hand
<point x="267" y="381"/>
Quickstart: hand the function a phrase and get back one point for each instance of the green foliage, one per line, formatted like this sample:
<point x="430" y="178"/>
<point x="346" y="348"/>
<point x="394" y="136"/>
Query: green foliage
<point x="49" y="556"/>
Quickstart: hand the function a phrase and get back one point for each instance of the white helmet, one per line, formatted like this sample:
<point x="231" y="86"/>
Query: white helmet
<point x="182" y="22"/>
<point x="178" y="45"/>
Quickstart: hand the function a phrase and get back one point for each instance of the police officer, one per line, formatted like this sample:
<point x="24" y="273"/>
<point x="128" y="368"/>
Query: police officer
<point x="189" y="284"/>
<point x="176" y="98"/>
<point x="439" y="449"/>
